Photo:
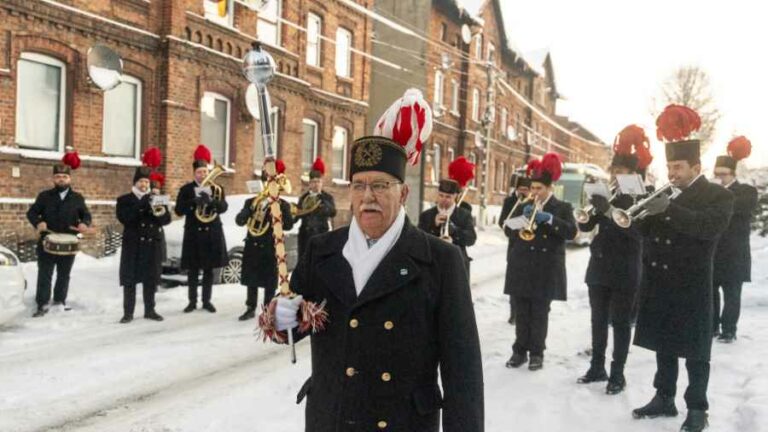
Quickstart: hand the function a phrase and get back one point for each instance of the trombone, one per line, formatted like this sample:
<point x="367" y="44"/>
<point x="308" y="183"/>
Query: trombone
<point x="583" y="215"/>
<point x="529" y="232"/>
<point x="625" y="218"/>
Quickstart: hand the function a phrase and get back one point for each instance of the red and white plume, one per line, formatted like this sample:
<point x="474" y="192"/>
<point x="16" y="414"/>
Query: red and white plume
<point x="71" y="158"/>
<point x="319" y="166"/>
<point x="632" y="140"/>
<point x="408" y="122"/>
<point x="152" y="157"/>
<point x="202" y="153"/>
<point x="461" y="171"/>
<point x="739" y="148"/>
<point x="553" y="164"/>
<point x="676" y="123"/>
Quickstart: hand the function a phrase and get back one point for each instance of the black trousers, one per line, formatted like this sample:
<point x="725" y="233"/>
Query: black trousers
<point x="129" y="297"/>
<point x="252" y="298"/>
<point x="46" y="263"/>
<point x="192" y="281"/>
<point x="729" y="316"/>
<point x="665" y="380"/>
<point x="531" y="325"/>
<point x="610" y="306"/>
<point x="511" y="306"/>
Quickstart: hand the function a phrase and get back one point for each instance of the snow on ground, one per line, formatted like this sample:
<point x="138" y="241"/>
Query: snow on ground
<point x="82" y="371"/>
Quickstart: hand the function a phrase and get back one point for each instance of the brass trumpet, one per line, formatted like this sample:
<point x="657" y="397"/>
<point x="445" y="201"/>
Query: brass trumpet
<point x="583" y="215"/>
<point x="625" y="218"/>
<point x="525" y="200"/>
<point x="202" y="212"/>
<point x="529" y="232"/>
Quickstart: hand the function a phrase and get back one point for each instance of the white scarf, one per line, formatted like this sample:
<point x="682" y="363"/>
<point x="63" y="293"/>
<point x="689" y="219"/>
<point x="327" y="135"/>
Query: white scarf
<point x="139" y="194"/>
<point x="363" y="259"/>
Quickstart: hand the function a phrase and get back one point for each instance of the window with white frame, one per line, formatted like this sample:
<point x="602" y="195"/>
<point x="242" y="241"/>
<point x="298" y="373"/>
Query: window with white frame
<point x="455" y="96"/>
<point x="450" y="155"/>
<point x="339" y="147"/>
<point x="479" y="46"/>
<point x="437" y="160"/>
<point x="268" y="25"/>
<point x="314" y="42"/>
<point x="219" y="11"/>
<point x="491" y="52"/>
<point x="258" y="145"/>
<point x="503" y="121"/>
<point x="438" y="102"/>
<point x="309" y="144"/>
<point x="502" y="177"/>
<point x="214" y="125"/>
<point x="122" y="119"/>
<point x="40" y="102"/>
<point x="473" y="159"/>
<point x="343" y="52"/>
<point x="475" y="104"/>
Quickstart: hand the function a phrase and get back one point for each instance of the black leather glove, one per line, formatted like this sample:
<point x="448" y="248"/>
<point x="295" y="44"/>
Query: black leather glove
<point x="657" y="205"/>
<point x="202" y="199"/>
<point x="600" y="203"/>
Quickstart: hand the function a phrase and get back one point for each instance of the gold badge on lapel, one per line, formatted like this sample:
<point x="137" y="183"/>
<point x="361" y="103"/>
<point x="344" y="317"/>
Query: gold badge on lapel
<point x="367" y="154"/>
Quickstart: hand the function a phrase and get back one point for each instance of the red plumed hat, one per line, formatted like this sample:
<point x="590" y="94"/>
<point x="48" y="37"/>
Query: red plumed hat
<point x="280" y="166"/>
<point x="202" y="153"/>
<point x="71" y="159"/>
<point x="318" y="169"/>
<point x="534" y="166"/>
<point x="408" y="122"/>
<point x="632" y="149"/>
<point x="152" y="157"/>
<point x="461" y="171"/>
<point x="676" y="123"/>
<point x="547" y="170"/>
<point x="157" y="177"/>
<point x="739" y="148"/>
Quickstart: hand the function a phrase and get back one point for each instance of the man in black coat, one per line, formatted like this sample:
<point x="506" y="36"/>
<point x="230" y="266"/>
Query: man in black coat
<point x="142" y="249"/>
<point x="539" y="264"/>
<point x="259" y="267"/>
<point x="461" y="226"/>
<point x="675" y="300"/>
<point x="57" y="210"/>
<point x="204" y="247"/>
<point x="613" y="277"/>
<point x="522" y="188"/>
<point x="317" y="221"/>
<point x="399" y="308"/>
<point x="733" y="260"/>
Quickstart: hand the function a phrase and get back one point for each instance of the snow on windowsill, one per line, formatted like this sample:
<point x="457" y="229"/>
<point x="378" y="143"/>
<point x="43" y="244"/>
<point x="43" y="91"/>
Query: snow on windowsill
<point x="57" y="155"/>
<point x="113" y="160"/>
<point x="5" y="200"/>
<point x="340" y="182"/>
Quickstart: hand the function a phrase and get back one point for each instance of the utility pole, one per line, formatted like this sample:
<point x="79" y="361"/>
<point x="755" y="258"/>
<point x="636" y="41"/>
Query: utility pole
<point x="487" y="124"/>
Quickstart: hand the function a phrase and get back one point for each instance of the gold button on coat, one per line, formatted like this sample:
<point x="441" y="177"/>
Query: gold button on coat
<point x="354" y="323"/>
<point x="389" y="325"/>
<point x="351" y="371"/>
<point x="382" y="424"/>
<point x="386" y="377"/>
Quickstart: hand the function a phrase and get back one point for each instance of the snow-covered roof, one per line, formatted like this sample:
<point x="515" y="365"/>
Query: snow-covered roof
<point x="536" y="59"/>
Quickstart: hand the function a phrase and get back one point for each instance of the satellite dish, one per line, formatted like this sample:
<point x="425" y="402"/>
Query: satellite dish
<point x="445" y="61"/>
<point x="104" y="67"/>
<point x="478" y="141"/>
<point x="252" y="101"/>
<point x="466" y="34"/>
<point x="511" y="133"/>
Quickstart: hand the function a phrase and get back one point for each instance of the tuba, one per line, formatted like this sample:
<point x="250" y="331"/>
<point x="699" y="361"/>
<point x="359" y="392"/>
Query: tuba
<point x="203" y="213"/>
<point x="258" y="223"/>
<point x="311" y="203"/>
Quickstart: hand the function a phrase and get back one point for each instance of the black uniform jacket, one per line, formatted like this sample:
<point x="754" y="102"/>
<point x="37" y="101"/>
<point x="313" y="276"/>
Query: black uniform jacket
<point x="376" y="364"/>
<point x="675" y="315"/>
<point x="204" y="245"/>
<point x="316" y="222"/>
<point x="461" y="228"/>
<point x="733" y="260"/>
<point x="59" y="214"/>
<point x="259" y="262"/>
<point x="539" y="264"/>
<point x="141" y="256"/>
<point x="616" y="253"/>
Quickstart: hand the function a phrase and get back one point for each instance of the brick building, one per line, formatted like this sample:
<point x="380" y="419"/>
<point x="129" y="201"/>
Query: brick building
<point x="182" y="85"/>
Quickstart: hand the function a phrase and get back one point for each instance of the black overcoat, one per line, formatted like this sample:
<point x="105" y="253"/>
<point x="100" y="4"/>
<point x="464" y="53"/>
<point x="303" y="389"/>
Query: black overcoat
<point x="506" y="209"/>
<point x="141" y="255"/>
<point x="675" y="300"/>
<point x="733" y="260"/>
<point x="204" y="245"/>
<point x="59" y="214"/>
<point x="376" y="364"/>
<point x="316" y="222"/>
<point x="461" y="229"/>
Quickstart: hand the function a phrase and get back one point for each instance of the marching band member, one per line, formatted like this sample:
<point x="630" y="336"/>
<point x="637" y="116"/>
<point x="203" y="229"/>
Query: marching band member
<point x="522" y="188"/>
<point x="204" y="247"/>
<point x="317" y="221"/>
<point x="57" y="210"/>
<point x="538" y="262"/>
<point x="613" y="274"/>
<point x="461" y="227"/>
<point x="733" y="261"/>
<point x="675" y="301"/>
<point x="259" y="262"/>
<point x="142" y="248"/>
<point x="398" y="303"/>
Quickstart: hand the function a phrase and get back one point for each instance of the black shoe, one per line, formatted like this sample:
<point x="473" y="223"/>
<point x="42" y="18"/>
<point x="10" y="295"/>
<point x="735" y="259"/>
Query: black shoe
<point x="517" y="360"/>
<point x="660" y="406"/>
<point x="594" y="374"/>
<point x="616" y="384"/>
<point x="40" y="312"/>
<point x="126" y="319"/>
<point x="536" y="363"/>
<point x="209" y="307"/>
<point x="190" y="307"/>
<point x="716" y="333"/>
<point x="695" y="421"/>
<point x="727" y="338"/>
<point x="250" y="313"/>
<point x="511" y="319"/>
<point x="152" y="315"/>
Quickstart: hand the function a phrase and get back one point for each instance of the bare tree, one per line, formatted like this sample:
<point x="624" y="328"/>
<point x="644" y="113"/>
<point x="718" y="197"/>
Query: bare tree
<point x="689" y="86"/>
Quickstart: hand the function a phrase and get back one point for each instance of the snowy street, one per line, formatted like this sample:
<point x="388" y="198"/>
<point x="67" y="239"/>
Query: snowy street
<point x="82" y="371"/>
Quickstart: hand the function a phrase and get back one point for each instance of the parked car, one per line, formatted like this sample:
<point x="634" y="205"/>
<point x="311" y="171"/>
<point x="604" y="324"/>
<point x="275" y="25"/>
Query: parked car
<point x="12" y="285"/>
<point x="235" y="238"/>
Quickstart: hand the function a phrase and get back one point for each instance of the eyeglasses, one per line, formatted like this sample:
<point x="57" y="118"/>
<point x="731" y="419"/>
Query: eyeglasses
<point x="377" y="187"/>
